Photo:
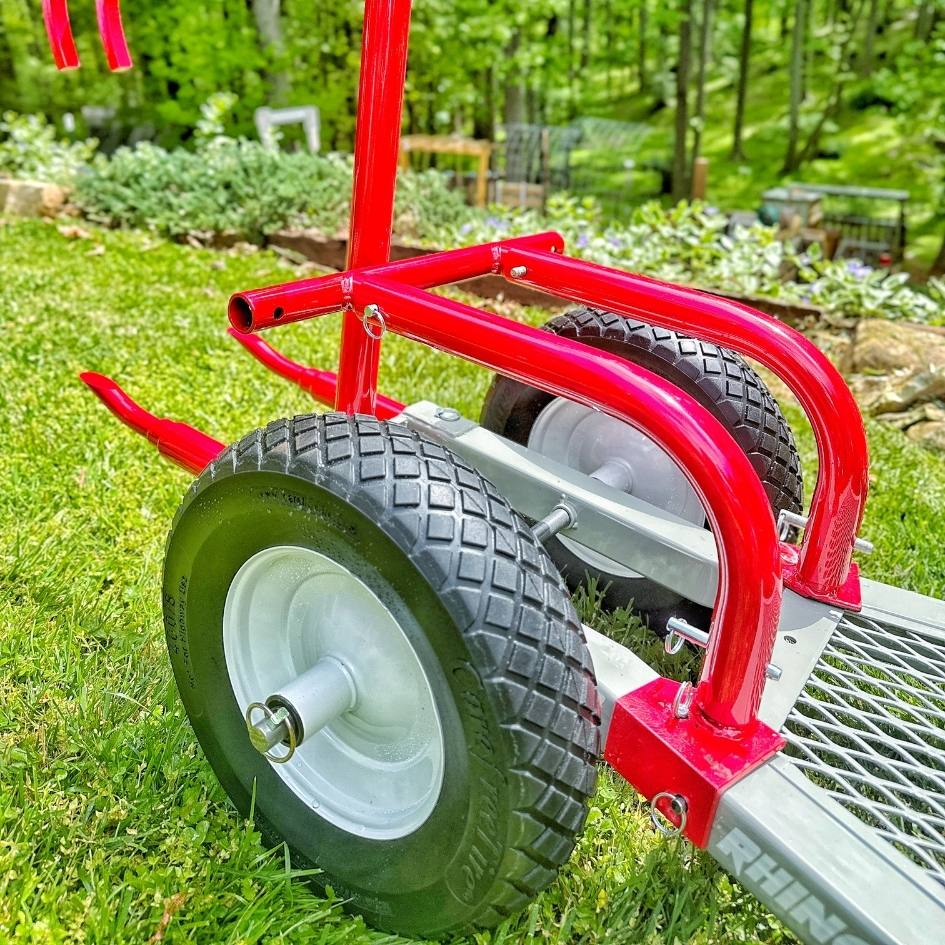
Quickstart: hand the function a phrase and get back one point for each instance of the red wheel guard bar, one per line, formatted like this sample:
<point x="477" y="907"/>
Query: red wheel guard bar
<point x="822" y="569"/>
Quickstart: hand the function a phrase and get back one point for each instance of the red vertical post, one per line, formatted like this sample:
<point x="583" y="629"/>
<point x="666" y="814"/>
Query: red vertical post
<point x="376" y="145"/>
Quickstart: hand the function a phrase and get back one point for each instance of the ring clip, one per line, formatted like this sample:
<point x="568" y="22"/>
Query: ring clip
<point x="268" y="713"/>
<point x="678" y="805"/>
<point x="374" y="312"/>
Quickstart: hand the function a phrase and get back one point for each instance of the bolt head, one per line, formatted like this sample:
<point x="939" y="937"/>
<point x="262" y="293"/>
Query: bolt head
<point x="448" y="413"/>
<point x="516" y="272"/>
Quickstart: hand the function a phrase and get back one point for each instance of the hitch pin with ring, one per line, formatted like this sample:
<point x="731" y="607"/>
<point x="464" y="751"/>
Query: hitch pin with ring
<point x="373" y="321"/>
<point x="677" y="805"/>
<point x="678" y="632"/>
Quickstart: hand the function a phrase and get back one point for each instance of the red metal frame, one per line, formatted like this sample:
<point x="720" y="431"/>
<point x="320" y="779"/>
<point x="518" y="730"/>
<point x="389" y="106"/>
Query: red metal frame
<point x="654" y="746"/>
<point x="822" y="569"/>
<point x="376" y="145"/>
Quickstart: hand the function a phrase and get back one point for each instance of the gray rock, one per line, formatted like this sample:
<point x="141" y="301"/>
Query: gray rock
<point x="881" y="346"/>
<point x="30" y="198"/>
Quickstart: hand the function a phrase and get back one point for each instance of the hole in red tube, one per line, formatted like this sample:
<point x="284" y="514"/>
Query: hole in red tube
<point x="241" y="314"/>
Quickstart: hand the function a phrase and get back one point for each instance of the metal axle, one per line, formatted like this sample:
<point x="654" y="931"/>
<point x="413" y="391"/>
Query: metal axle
<point x="301" y="708"/>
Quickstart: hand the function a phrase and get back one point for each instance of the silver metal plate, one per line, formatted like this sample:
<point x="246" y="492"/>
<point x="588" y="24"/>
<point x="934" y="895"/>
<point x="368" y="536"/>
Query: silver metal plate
<point x="820" y="869"/>
<point x="869" y="727"/>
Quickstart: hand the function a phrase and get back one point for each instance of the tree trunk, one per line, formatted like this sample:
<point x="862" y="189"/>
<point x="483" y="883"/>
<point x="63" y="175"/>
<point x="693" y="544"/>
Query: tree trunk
<point x="515" y="105"/>
<point x="705" y="48"/>
<point x="872" y="21"/>
<point x="585" y="40"/>
<point x="683" y="63"/>
<point x="744" y="63"/>
<point x="797" y="69"/>
<point x="571" y="17"/>
<point x="938" y="266"/>
<point x="641" y="46"/>
<point x="923" y="20"/>
<point x="269" y="24"/>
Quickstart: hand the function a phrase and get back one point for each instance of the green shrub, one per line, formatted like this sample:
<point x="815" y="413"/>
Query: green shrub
<point x="226" y="186"/>
<point x="30" y="149"/>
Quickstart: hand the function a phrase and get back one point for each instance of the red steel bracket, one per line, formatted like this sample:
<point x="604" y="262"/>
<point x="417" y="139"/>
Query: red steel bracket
<point x="660" y="754"/>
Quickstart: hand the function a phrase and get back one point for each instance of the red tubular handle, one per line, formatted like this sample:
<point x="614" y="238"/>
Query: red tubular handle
<point x="748" y="602"/>
<point x="287" y="302"/>
<point x="322" y="385"/>
<point x="376" y="151"/>
<point x="179" y="442"/>
<point x="59" y="33"/>
<point x="113" y="35"/>
<point x="839" y="497"/>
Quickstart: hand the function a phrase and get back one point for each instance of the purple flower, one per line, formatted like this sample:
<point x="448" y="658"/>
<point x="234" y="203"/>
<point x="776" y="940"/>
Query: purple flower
<point x="582" y="241"/>
<point x="465" y="228"/>
<point x="615" y="242"/>
<point x="858" y="269"/>
<point x="494" y="222"/>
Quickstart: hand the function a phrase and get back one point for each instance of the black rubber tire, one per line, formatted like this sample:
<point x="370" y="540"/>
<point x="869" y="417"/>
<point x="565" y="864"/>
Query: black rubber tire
<point x="489" y="618"/>
<point x="717" y="378"/>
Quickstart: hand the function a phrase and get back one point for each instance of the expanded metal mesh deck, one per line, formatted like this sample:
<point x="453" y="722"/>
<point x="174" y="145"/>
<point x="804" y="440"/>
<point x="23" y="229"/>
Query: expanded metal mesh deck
<point x="870" y="729"/>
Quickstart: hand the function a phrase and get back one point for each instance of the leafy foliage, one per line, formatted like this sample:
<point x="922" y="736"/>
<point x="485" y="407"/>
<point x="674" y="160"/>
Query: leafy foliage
<point x="227" y="186"/>
<point x="693" y="243"/>
<point x="29" y="148"/>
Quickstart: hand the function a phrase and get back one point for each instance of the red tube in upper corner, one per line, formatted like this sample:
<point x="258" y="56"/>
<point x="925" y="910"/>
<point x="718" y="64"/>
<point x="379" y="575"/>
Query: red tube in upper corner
<point x="59" y="32"/>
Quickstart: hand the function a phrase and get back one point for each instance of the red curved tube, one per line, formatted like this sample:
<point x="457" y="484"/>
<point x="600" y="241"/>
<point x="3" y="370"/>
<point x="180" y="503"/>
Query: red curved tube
<point x="748" y="602"/>
<point x="322" y="385"/>
<point x="59" y="33"/>
<point x="112" y="32"/>
<point x="179" y="442"/>
<point x="839" y="497"/>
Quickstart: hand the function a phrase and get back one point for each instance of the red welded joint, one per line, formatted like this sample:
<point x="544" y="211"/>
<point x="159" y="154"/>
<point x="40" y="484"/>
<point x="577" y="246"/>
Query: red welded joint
<point x="112" y="33"/>
<point x="660" y="754"/>
<point x="179" y="442"/>
<point x="59" y="33"/>
<point x="320" y="384"/>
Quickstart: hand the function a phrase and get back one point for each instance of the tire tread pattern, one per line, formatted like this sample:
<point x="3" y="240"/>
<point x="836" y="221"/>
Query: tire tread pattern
<point x="507" y="598"/>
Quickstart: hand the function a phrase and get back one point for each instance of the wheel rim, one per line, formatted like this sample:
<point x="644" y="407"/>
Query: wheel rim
<point x="376" y="770"/>
<point x="587" y="440"/>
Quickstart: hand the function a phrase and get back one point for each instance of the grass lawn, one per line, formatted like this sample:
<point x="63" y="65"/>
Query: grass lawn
<point x="112" y="827"/>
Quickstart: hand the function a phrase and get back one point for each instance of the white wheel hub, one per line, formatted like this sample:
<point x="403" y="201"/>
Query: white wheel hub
<point x="621" y="456"/>
<point x="295" y="621"/>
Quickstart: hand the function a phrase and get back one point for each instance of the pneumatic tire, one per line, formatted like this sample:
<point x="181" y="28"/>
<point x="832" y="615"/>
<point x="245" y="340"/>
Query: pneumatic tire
<point x="406" y="529"/>
<point x="717" y="378"/>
